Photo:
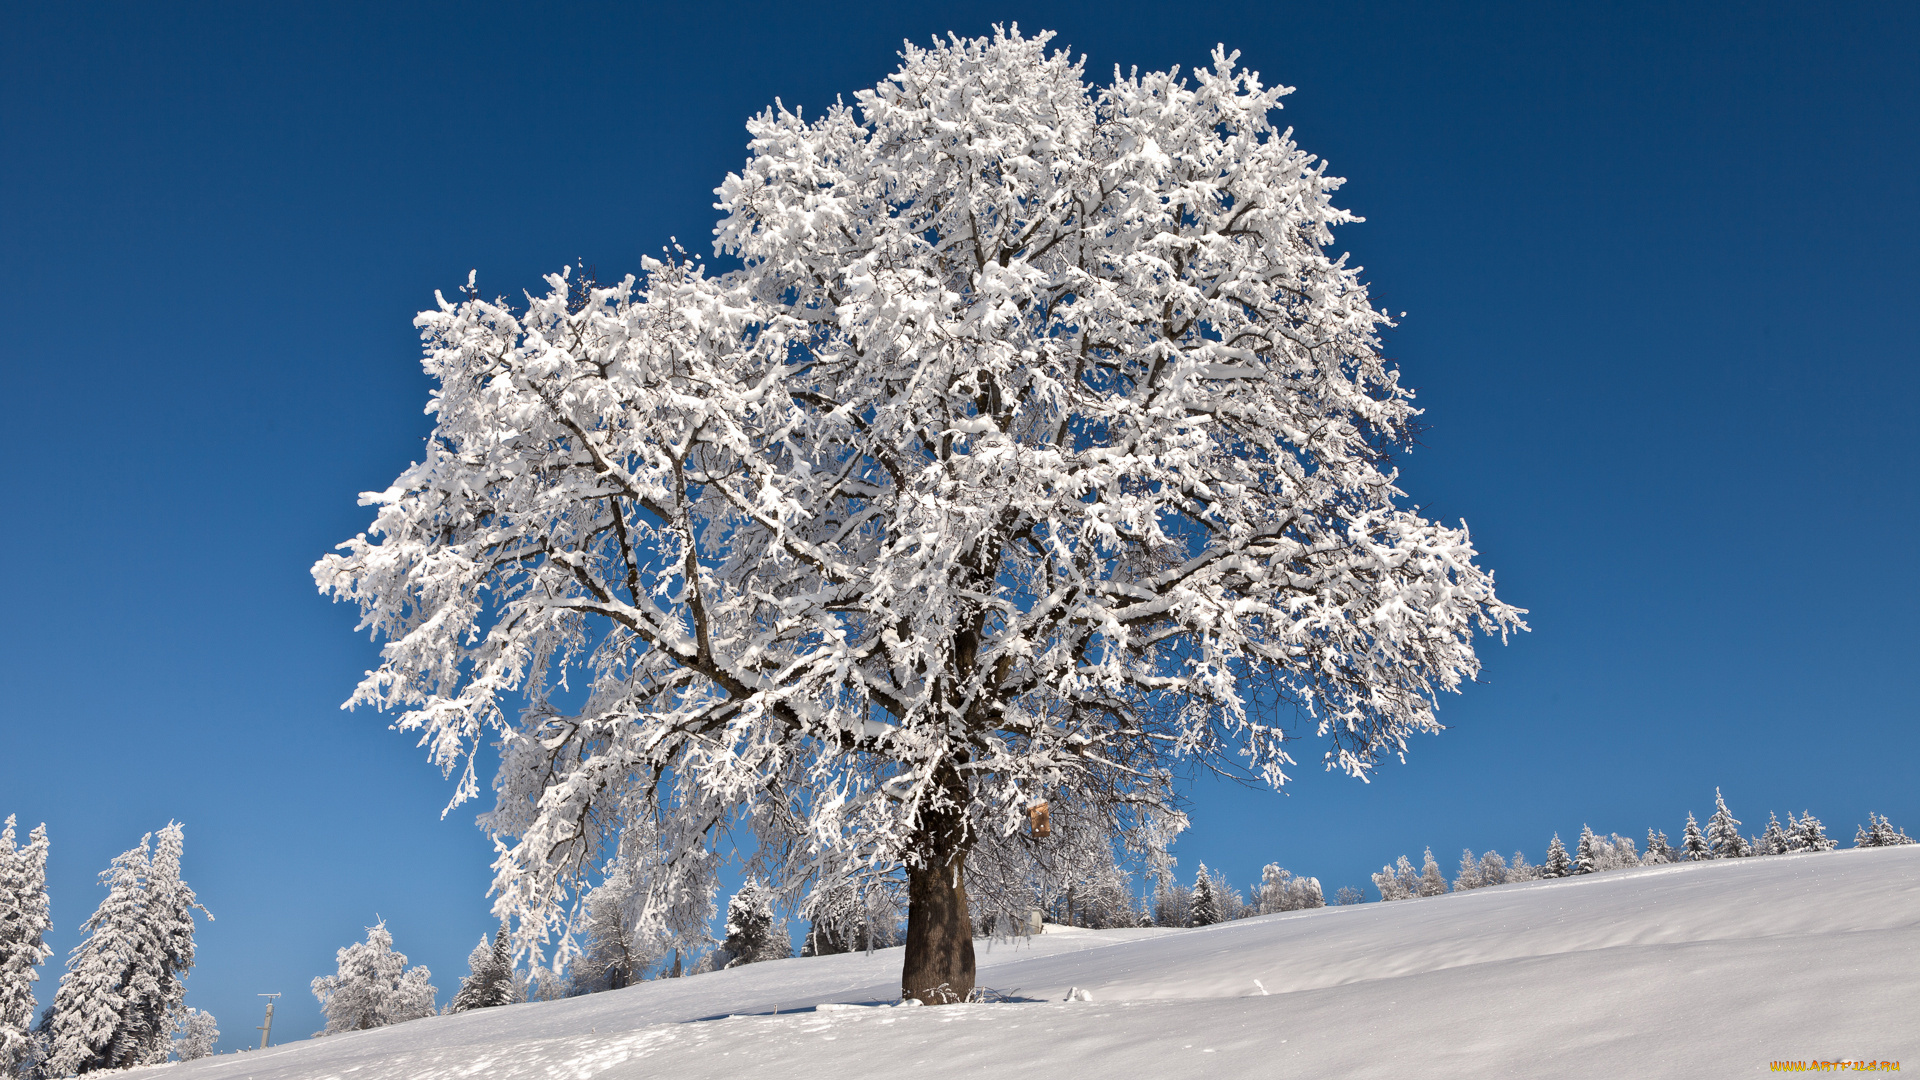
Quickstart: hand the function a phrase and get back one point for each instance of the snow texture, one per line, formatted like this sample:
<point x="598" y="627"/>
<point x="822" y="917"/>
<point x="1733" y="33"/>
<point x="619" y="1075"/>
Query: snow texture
<point x="1712" y="968"/>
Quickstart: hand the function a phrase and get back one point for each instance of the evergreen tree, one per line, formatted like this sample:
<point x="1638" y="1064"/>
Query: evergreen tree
<point x="1657" y="849"/>
<point x="105" y="974"/>
<point x="194" y="1037"/>
<point x="1723" y="834"/>
<point x="1557" y="864"/>
<point x="1693" y="843"/>
<point x="1879" y="832"/>
<point x="1468" y="876"/>
<point x="1585" y="860"/>
<point x="751" y="934"/>
<point x="24" y="921"/>
<point x="1206" y="905"/>
<point x="1774" y="841"/>
<point x="1347" y="894"/>
<point x="1432" y="881"/>
<point x="490" y="977"/>
<point x="1493" y="869"/>
<point x="154" y="1005"/>
<point x="1519" y="869"/>
<point x="373" y="987"/>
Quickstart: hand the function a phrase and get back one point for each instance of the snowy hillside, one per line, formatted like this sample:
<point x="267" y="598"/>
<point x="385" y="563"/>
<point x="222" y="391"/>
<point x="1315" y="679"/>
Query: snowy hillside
<point x="1697" y="970"/>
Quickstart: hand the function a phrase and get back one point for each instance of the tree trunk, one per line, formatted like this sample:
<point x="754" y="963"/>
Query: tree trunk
<point x="939" y="961"/>
<point x="939" y="955"/>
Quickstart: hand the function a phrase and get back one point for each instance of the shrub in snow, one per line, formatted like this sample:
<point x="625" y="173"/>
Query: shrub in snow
<point x="1036" y="418"/>
<point x="24" y="921"/>
<point x="373" y="987"/>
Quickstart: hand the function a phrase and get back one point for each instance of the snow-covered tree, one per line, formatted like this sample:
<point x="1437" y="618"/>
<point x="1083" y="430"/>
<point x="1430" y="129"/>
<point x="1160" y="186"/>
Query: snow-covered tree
<point x="1557" y="864"/>
<point x="1347" y="894"/>
<point x="1206" y="900"/>
<point x="1073" y="872"/>
<point x="753" y="935"/>
<point x="1432" y="882"/>
<point x="373" y="987"/>
<point x="1585" y="856"/>
<point x="194" y="1035"/>
<point x="1519" y="869"/>
<point x="854" y="918"/>
<point x="1398" y="880"/>
<point x="24" y="921"/>
<point x="1657" y="849"/>
<point x="1774" y="841"/>
<point x="1723" y="832"/>
<point x="1879" y="832"/>
<point x="490" y="980"/>
<point x="1468" y="876"/>
<point x="1694" y="844"/>
<point x="1493" y="869"/>
<point x="1172" y="904"/>
<point x="1036" y="439"/>
<point x="1810" y="835"/>
<point x="124" y="988"/>
<point x="1281" y="891"/>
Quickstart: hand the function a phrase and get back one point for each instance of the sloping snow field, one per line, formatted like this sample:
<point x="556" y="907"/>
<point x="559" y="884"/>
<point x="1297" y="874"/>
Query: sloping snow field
<point x="1697" y="970"/>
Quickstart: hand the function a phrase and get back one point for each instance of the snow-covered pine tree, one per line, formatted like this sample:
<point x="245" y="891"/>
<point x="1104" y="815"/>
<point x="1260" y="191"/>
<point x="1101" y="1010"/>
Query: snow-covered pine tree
<point x="153" y="1006"/>
<point x="1432" y="882"/>
<point x="1557" y="864"/>
<point x="1206" y="902"/>
<point x="491" y="980"/>
<point x="1388" y="885"/>
<point x="752" y="933"/>
<point x="194" y="1035"/>
<point x="1694" y="844"/>
<point x="85" y="1028"/>
<point x="799" y="531"/>
<point x="1657" y="849"/>
<point x="1774" y="841"/>
<point x="1586" y="855"/>
<point x="1723" y="833"/>
<point x="373" y="987"/>
<point x="1879" y="832"/>
<point x="24" y="921"/>
<point x="1493" y="869"/>
<point x="1468" y="876"/>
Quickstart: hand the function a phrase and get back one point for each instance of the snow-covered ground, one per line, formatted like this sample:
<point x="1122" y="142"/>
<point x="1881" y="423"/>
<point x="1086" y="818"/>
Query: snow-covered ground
<point x="1698" y="970"/>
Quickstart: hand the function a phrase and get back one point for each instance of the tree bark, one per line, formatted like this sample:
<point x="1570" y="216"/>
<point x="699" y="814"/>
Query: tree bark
<point x="939" y="956"/>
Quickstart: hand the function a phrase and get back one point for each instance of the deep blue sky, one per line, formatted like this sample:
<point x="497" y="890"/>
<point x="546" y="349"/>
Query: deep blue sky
<point x="1659" y="272"/>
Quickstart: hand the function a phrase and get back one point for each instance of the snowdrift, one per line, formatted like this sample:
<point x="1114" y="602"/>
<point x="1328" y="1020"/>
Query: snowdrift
<point x="1706" y="969"/>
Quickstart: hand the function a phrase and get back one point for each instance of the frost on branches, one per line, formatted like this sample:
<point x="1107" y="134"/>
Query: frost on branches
<point x="373" y="987"/>
<point x="1037" y="443"/>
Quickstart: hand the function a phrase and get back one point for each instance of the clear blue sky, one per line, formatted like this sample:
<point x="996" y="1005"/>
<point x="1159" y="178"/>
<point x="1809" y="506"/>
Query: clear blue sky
<point x="1659" y="269"/>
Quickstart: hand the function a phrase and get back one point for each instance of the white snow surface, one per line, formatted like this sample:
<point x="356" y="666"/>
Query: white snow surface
<point x="1697" y="970"/>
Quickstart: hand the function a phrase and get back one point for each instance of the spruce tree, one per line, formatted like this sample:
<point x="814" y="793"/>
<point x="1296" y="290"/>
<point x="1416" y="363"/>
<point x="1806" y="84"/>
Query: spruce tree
<point x="106" y="972"/>
<point x="1657" y="849"/>
<point x="1723" y="833"/>
<point x="1557" y="864"/>
<point x="751" y="934"/>
<point x="490" y="977"/>
<point x="1879" y="832"/>
<point x="1468" y="876"/>
<point x="153" y="1008"/>
<point x="24" y="921"/>
<point x="1584" y="855"/>
<point x="1693" y="843"/>
<point x="1774" y="840"/>
<point x="1432" y="881"/>
<point x="1206" y="906"/>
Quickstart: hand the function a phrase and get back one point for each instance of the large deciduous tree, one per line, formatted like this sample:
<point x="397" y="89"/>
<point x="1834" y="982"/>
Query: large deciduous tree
<point x="1036" y="442"/>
